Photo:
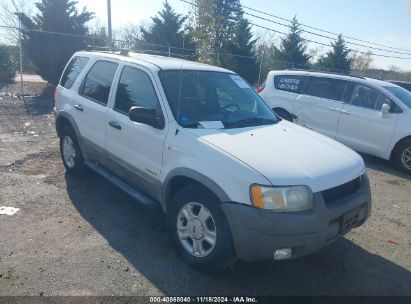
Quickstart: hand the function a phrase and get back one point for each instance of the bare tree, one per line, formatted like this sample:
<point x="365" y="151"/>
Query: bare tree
<point x="127" y="35"/>
<point x="361" y="62"/>
<point x="8" y="17"/>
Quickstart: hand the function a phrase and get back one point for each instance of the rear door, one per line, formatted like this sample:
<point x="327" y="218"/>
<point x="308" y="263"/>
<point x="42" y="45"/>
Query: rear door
<point x="319" y="107"/>
<point x="91" y="106"/>
<point x="362" y="125"/>
<point x="135" y="150"/>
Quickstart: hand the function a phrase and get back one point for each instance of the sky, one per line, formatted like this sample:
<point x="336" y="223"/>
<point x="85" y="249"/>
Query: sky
<point x="385" y="22"/>
<point x="380" y="21"/>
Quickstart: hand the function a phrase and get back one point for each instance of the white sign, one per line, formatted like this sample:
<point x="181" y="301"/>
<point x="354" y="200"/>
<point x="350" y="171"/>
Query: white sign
<point x="211" y="124"/>
<point x="240" y="82"/>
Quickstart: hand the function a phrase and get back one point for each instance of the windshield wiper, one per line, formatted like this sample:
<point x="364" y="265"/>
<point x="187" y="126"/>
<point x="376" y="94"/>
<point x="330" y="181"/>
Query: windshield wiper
<point x="191" y="124"/>
<point x="250" y="122"/>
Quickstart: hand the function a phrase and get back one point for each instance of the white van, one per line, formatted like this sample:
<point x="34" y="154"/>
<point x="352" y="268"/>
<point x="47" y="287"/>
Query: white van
<point x="368" y="115"/>
<point x="233" y="180"/>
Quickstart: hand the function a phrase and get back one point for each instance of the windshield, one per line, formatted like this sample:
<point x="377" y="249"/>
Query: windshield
<point x="213" y="96"/>
<point x="401" y="93"/>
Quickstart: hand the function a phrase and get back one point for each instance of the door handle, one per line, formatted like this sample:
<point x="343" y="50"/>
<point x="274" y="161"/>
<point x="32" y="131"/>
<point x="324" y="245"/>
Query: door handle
<point x="78" y="107"/>
<point x="115" y="125"/>
<point x="346" y="112"/>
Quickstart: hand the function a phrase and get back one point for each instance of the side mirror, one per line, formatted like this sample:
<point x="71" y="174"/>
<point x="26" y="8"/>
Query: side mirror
<point x="385" y="109"/>
<point x="146" y="116"/>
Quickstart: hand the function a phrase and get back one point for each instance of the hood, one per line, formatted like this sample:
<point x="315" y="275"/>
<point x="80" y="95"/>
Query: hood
<point x="287" y="154"/>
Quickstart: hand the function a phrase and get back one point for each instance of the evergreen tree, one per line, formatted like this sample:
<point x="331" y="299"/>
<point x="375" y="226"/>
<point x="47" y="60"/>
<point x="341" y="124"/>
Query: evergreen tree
<point x="215" y="24"/>
<point x="338" y="59"/>
<point x="167" y="29"/>
<point x="7" y="64"/>
<point x="293" y="49"/>
<point x="50" y="52"/>
<point x="242" y="51"/>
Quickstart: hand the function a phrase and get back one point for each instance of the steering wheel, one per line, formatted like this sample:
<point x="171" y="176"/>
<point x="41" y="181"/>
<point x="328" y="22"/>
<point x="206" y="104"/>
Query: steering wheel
<point x="232" y="105"/>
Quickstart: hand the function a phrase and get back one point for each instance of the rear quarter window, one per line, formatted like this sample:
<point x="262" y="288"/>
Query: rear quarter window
<point x="72" y="71"/>
<point x="289" y="83"/>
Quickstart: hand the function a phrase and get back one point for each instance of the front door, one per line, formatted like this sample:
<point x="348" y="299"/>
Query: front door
<point x="363" y="126"/>
<point x="135" y="149"/>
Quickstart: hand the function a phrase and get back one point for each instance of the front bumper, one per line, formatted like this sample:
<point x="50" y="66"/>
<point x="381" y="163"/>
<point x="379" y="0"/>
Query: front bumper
<point x="258" y="233"/>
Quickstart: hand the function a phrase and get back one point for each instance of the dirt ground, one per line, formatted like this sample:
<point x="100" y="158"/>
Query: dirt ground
<point x="83" y="236"/>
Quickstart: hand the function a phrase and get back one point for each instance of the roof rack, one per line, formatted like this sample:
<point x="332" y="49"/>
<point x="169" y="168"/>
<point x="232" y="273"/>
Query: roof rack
<point x="325" y="72"/>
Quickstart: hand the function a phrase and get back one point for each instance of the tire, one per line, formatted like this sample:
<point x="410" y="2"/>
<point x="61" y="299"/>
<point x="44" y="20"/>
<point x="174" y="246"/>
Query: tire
<point x="74" y="164"/>
<point x="402" y="156"/>
<point x="211" y="258"/>
<point x="284" y="114"/>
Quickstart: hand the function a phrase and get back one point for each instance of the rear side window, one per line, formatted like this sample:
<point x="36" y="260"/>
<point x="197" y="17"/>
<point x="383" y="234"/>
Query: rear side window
<point x="326" y="88"/>
<point x="135" y="89"/>
<point x="97" y="83"/>
<point x="72" y="71"/>
<point x="289" y="83"/>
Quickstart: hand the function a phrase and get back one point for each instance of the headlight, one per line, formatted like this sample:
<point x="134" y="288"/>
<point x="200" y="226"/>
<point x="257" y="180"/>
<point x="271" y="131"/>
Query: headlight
<point x="282" y="199"/>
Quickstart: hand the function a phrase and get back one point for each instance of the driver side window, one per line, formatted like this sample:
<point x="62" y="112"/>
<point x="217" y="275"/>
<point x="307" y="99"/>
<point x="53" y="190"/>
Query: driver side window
<point x="135" y="89"/>
<point x="363" y="96"/>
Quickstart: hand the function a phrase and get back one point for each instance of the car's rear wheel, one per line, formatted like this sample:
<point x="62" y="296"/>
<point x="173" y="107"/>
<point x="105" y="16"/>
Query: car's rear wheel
<point x="199" y="229"/>
<point x="70" y="152"/>
<point x="402" y="156"/>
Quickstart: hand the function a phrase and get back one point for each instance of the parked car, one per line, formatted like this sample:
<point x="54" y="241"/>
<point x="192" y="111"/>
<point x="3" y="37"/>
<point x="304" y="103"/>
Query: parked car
<point x="368" y="115"/>
<point x="233" y="179"/>
<point x="404" y="84"/>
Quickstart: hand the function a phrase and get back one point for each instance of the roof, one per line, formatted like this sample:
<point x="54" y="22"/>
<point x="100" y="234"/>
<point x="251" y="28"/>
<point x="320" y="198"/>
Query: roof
<point x="336" y="76"/>
<point x="160" y="62"/>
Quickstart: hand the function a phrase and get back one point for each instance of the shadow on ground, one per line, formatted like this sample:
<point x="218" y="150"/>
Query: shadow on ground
<point x="41" y="104"/>
<point x="382" y="165"/>
<point x="343" y="268"/>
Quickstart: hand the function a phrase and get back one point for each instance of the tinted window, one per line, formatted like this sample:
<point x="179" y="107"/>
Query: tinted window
<point x="289" y="83"/>
<point x="202" y="96"/>
<point x="97" y="83"/>
<point x="361" y="95"/>
<point x="72" y="71"/>
<point x="326" y="88"/>
<point x="135" y="89"/>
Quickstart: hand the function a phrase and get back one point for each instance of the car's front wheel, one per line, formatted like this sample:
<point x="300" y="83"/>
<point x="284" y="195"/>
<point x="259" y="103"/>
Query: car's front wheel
<point x="199" y="229"/>
<point x="402" y="156"/>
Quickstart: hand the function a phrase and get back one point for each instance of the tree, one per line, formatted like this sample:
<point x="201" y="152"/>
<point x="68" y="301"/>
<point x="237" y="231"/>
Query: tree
<point x="241" y="49"/>
<point x="50" y="52"/>
<point x="338" y="58"/>
<point x="293" y="49"/>
<point x="128" y="34"/>
<point x="7" y="64"/>
<point x="361" y="61"/>
<point x="214" y="27"/>
<point x="8" y="17"/>
<point x="167" y="30"/>
<point x="98" y="36"/>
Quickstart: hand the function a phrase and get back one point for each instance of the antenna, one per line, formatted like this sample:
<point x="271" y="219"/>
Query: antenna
<point x="179" y="89"/>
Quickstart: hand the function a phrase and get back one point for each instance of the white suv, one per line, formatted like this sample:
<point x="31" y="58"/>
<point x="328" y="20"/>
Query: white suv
<point x="368" y="115"/>
<point x="233" y="179"/>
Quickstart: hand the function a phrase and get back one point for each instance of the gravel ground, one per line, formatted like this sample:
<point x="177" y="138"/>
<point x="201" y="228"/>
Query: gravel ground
<point x="83" y="236"/>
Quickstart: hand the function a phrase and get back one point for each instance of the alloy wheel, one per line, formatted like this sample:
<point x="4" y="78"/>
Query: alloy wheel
<point x="196" y="229"/>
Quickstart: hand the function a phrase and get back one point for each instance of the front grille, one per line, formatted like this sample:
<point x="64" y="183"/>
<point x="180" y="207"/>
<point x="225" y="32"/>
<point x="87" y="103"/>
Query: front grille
<point x="339" y="192"/>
